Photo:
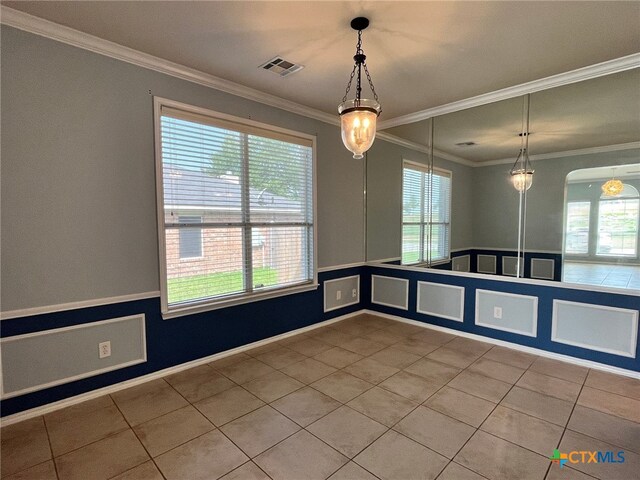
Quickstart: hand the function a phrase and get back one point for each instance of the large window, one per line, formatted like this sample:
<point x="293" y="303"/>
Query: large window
<point x="236" y="209"/>
<point x="618" y="224"/>
<point x="577" y="228"/>
<point x="426" y="206"/>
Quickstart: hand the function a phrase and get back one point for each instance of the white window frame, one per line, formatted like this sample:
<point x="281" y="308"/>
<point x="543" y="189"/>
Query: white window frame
<point x="228" y="301"/>
<point x="427" y="171"/>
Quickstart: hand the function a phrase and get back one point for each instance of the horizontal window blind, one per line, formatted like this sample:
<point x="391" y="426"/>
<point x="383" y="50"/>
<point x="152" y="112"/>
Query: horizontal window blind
<point x="238" y="208"/>
<point x="426" y="207"/>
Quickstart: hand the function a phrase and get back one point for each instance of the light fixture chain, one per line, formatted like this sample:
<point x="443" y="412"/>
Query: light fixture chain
<point x="353" y="73"/>
<point x="373" y="90"/>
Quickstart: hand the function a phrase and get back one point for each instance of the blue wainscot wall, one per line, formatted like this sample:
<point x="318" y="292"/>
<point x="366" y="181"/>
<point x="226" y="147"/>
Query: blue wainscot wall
<point x="170" y="343"/>
<point x="179" y="340"/>
<point x="590" y="319"/>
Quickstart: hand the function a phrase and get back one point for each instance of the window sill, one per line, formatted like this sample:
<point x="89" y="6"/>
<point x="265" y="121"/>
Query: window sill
<point x="184" y="310"/>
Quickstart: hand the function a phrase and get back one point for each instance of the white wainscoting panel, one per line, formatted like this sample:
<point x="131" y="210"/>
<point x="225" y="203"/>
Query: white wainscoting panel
<point x="445" y="301"/>
<point x="510" y="266"/>
<point x="542" y="268"/>
<point x="390" y="291"/>
<point x="486" y="263"/>
<point x="596" y="327"/>
<point x="461" y="263"/>
<point x="39" y="360"/>
<point x="507" y="311"/>
<point x="344" y="285"/>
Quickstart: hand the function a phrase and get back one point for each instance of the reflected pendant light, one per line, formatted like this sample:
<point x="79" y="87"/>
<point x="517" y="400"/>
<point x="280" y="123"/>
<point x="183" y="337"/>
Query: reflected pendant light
<point x="522" y="171"/>
<point x="613" y="187"/>
<point x="358" y="117"/>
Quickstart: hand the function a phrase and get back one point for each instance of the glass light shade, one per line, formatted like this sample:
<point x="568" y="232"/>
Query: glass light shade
<point x="522" y="179"/>
<point x="612" y="187"/>
<point x="358" y="120"/>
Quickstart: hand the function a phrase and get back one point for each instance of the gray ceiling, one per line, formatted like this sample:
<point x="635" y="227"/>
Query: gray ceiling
<point x="599" y="112"/>
<point x="420" y="54"/>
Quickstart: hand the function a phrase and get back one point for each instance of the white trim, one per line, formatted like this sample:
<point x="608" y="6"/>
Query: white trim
<point x="92" y="373"/>
<point x="514" y="346"/>
<point x="553" y="267"/>
<point x="67" y="402"/>
<point x="453" y="262"/>
<point x="567" y="153"/>
<point x="573" y="76"/>
<point x="459" y="318"/>
<point x="530" y="251"/>
<point x="406" y="299"/>
<point x="534" y="331"/>
<point x="97" y="302"/>
<point x="76" y="38"/>
<point x="525" y="281"/>
<point x="633" y="339"/>
<point x="62" y="307"/>
<point x="385" y="260"/>
<point x="354" y="302"/>
<point x="495" y="262"/>
<point x="516" y="272"/>
<point x="418" y="147"/>
<point x="340" y="267"/>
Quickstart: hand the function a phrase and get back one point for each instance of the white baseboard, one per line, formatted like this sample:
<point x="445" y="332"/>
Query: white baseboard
<point x="83" y="397"/>
<point x="514" y="346"/>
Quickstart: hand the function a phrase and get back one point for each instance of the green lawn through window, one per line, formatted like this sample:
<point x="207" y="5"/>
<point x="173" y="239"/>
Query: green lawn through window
<point x="203" y="286"/>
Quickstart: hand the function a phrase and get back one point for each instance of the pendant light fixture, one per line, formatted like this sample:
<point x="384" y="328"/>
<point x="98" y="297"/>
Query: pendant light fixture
<point x="613" y="187"/>
<point x="358" y="117"/>
<point x="522" y="171"/>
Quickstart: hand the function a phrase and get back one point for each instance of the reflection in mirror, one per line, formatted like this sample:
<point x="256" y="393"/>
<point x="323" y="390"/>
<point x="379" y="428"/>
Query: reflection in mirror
<point x="601" y="227"/>
<point x="593" y="123"/>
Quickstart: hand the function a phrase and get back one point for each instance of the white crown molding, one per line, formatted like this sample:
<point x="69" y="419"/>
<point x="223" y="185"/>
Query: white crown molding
<point x="567" y="153"/>
<point x="418" y="147"/>
<point x="585" y="73"/>
<point x="76" y="38"/>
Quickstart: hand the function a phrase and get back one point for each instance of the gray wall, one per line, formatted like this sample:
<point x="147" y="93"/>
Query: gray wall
<point x="384" y="199"/>
<point x="495" y="200"/>
<point x="484" y="205"/>
<point x="78" y="189"/>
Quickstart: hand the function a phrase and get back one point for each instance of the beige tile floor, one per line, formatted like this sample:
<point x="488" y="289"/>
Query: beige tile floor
<point x="364" y="398"/>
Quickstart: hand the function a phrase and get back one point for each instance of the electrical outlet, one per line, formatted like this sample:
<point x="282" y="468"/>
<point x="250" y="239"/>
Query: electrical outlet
<point x="339" y="295"/>
<point x="354" y="293"/>
<point x="497" y="312"/>
<point x="104" y="349"/>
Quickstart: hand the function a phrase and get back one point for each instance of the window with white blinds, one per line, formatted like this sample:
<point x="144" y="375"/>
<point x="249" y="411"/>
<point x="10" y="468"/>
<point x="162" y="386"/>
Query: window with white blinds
<point x="236" y="202"/>
<point x="426" y="217"/>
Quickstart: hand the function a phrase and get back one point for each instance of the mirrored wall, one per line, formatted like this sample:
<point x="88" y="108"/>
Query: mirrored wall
<point x="579" y="136"/>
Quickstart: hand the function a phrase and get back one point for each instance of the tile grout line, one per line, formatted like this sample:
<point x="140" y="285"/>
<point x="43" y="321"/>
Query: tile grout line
<point x="566" y="426"/>
<point x="53" y="458"/>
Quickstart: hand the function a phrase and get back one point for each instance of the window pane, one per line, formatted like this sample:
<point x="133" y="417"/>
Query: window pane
<point x="411" y="246"/>
<point x="202" y="167"/>
<point x="279" y="256"/>
<point x="190" y="237"/>
<point x="280" y="181"/>
<point x="219" y="270"/>
<point x="577" y="234"/>
<point x="439" y="244"/>
<point x="618" y="227"/>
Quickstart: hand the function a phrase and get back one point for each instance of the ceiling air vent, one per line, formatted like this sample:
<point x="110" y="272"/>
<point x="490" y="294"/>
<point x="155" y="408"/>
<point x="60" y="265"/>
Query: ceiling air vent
<point x="281" y="67"/>
<point x="465" y="144"/>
